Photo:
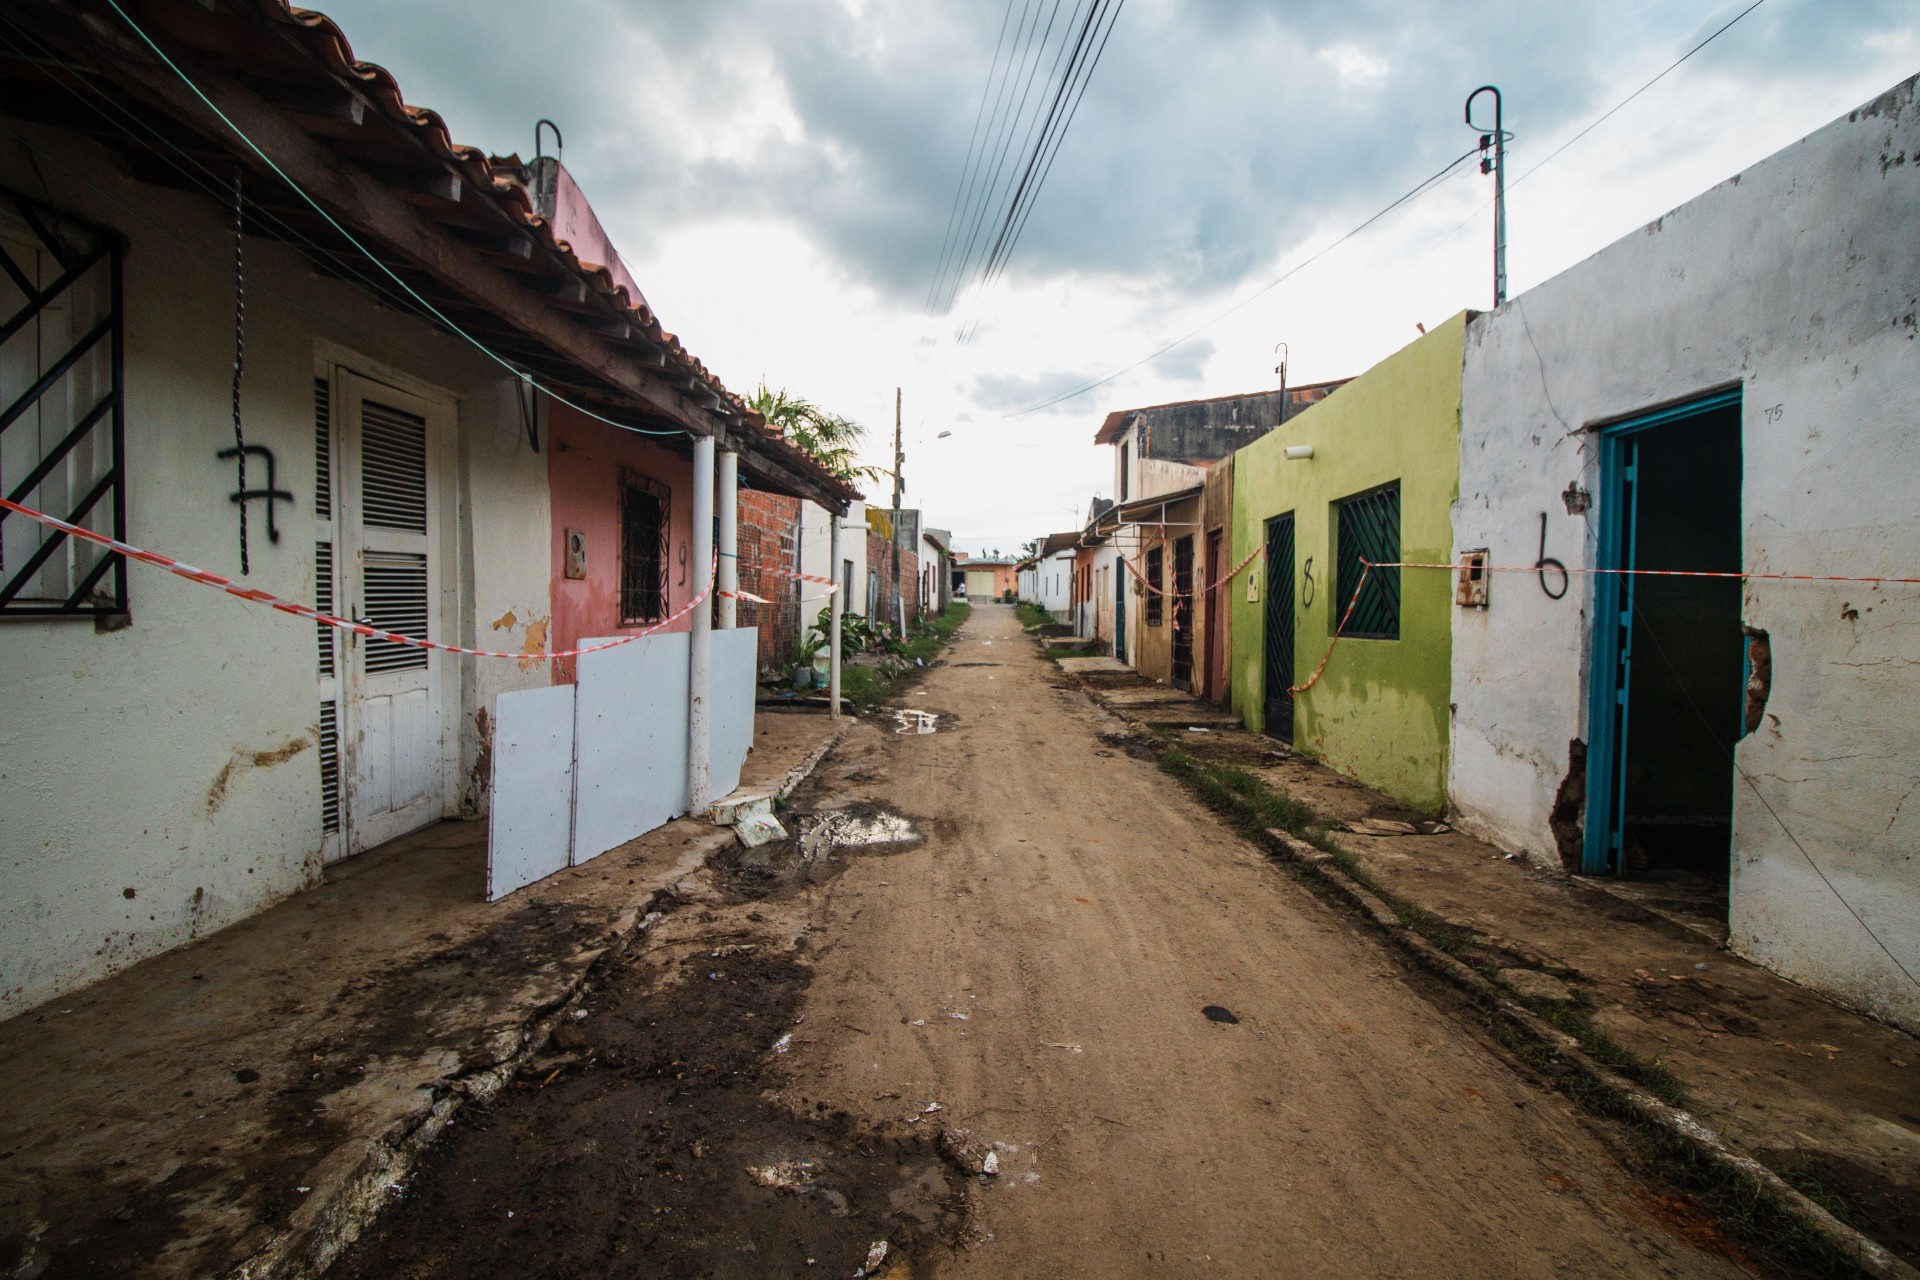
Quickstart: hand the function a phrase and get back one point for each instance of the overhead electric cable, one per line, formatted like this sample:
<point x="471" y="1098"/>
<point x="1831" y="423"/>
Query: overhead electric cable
<point x="347" y="235"/>
<point x="1257" y="293"/>
<point x="1608" y="114"/>
<point x="992" y="143"/>
<point x="1060" y="137"/>
<point x="991" y="194"/>
<point x="953" y="214"/>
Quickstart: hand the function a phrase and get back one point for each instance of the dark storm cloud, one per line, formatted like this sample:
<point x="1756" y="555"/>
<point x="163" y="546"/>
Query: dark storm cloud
<point x="1213" y="135"/>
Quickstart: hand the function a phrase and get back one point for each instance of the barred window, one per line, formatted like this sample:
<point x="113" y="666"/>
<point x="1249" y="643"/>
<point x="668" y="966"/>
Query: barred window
<point x="643" y="549"/>
<point x="1369" y="530"/>
<point x="1154" y="586"/>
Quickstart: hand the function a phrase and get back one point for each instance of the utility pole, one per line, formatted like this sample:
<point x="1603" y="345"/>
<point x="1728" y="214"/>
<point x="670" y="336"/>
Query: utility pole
<point x="1495" y="164"/>
<point x="1281" y="369"/>
<point x="898" y="457"/>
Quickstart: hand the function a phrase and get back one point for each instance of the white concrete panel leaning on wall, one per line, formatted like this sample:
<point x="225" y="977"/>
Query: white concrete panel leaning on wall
<point x="1792" y="286"/>
<point x="163" y="779"/>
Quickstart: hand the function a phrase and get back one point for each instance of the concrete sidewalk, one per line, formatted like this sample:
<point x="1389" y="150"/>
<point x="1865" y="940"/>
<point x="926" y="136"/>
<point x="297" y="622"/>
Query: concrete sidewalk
<point x="242" y="1104"/>
<point x="1827" y="1098"/>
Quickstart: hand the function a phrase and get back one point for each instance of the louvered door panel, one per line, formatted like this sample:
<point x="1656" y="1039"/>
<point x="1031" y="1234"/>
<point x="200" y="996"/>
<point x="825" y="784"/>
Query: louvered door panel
<point x="386" y="496"/>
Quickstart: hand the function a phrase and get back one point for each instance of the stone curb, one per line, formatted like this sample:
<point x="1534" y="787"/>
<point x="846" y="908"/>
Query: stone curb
<point x="1870" y="1256"/>
<point x="354" y="1183"/>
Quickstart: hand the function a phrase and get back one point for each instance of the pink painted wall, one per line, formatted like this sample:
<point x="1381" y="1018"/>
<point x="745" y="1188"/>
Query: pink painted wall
<point x="584" y="459"/>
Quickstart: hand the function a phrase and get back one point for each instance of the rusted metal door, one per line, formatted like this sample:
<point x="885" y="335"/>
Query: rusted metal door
<point x="1277" y="667"/>
<point x="1214" y="672"/>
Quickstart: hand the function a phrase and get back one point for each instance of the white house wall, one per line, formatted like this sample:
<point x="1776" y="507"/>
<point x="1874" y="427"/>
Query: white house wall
<point x="1798" y="282"/>
<point x="816" y="529"/>
<point x="162" y="780"/>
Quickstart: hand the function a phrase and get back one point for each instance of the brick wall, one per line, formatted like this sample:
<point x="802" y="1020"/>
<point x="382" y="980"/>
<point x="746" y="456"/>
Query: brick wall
<point x="880" y="561"/>
<point x="769" y="553"/>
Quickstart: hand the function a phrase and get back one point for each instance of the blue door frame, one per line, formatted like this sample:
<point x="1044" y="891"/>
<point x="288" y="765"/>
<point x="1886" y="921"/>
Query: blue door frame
<point x="1602" y="851"/>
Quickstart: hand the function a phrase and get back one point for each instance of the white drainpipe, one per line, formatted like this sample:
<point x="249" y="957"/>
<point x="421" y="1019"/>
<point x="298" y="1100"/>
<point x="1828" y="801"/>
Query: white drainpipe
<point x="728" y="500"/>
<point x="700" y="659"/>
<point x="837" y="601"/>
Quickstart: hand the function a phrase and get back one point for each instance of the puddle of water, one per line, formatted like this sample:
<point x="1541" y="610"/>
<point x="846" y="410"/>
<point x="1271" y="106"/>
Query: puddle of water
<point x="907" y="720"/>
<point x="915" y="721"/>
<point x="863" y="828"/>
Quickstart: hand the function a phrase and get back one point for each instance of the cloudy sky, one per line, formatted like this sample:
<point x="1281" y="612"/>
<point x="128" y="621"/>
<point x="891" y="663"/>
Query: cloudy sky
<point x="780" y="176"/>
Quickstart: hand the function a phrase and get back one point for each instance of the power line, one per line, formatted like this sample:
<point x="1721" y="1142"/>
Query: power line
<point x="1608" y="114"/>
<point x="1284" y="276"/>
<point x="1060" y="137"/>
<point x="953" y="214"/>
<point x="1029" y="59"/>
<point x="1039" y="152"/>
<point x="1082" y="390"/>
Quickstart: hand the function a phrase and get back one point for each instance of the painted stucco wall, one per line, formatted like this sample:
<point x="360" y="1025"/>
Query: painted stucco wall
<point x="1380" y="711"/>
<point x="585" y="460"/>
<point x="162" y="781"/>
<point x="1056" y="584"/>
<point x="816" y="532"/>
<point x="1796" y="281"/>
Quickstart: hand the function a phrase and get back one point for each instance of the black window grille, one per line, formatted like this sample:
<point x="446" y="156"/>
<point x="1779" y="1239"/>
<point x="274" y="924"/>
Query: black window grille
<point x="1155" y="582"/>
<point x="61" y="411"/>
<point x="643" y="549"/>
<point x="1369" y="530"/>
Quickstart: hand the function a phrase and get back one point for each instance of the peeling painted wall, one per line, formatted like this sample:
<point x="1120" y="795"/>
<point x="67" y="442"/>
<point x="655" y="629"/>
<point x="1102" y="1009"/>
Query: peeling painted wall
<point x="1798" y="281"/>
<point x="585" y="462"/>
<point x="161" y="781"/>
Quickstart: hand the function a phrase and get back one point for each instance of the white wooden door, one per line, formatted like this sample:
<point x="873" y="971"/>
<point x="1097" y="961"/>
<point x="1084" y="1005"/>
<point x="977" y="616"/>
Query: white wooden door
<point x="387" y="549"/>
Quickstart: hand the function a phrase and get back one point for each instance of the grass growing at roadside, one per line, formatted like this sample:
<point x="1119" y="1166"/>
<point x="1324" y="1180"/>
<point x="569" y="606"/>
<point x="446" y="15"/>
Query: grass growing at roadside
<point x="1032" y="615"/>
<point x="864" y="687"/>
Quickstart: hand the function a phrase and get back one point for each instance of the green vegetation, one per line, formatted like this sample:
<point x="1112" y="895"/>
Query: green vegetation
<point x="1032" y="615"/>
<point x="868" y="686"/>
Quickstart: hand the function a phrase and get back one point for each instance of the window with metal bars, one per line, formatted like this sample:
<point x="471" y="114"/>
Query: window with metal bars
<point x="61" y="410"/>
<point x="1369" y="531"/>
<point x="644" y="504"/>
<point x="1154" y="585"/>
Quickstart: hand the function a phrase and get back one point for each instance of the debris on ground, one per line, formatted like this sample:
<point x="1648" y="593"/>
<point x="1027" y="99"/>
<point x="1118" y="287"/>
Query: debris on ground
<point x="1218" y="1013"/>
<point x="876" y="1254"/>
<point x="969" y="1153"/>
<point x="783" y="1175"/>
<point x="1394" y="827"/>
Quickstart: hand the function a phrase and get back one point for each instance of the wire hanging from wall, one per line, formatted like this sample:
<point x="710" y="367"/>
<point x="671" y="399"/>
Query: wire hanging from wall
<point x="240" y="355"/>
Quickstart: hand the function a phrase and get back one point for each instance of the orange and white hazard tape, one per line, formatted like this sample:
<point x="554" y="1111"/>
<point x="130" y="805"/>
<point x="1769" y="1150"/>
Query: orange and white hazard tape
<point x="1225" y="578"/>
<point x="255" y="596"/>
<point x="1368" y="566"/>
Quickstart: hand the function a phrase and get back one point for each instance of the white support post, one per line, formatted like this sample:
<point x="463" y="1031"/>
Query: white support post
<point x="700" y="659"/>
<point x="836" y="602"/>
<point x="727" y="499"/>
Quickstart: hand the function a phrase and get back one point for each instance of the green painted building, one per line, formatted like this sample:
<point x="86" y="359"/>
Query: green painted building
<point x="1380" y="484"/>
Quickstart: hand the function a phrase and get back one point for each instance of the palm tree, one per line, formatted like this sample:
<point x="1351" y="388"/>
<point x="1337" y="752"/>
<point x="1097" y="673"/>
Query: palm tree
<point x="833" y="441"/>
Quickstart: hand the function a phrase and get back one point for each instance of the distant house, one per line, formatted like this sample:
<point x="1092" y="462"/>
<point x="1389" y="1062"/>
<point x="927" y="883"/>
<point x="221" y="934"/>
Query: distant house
<point x="1729" y="389"/>
<point x="936" y="577"/>
<point x="988" y="577"/>
<point x="1052" y="579"/>
<point x="1166" y="554"/>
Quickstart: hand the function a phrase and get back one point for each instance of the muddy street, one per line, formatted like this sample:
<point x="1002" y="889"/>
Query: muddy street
<point x="1020" y="1007"/>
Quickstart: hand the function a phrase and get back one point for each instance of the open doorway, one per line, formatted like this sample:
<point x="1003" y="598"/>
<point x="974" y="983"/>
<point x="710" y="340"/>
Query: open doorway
<point x="1669" y="670"/>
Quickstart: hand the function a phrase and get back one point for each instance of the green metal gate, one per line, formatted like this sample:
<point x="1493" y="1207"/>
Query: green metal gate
<point x="1278" y="665"/>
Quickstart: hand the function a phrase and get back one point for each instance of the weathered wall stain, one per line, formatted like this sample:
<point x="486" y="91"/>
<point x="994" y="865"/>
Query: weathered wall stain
<point x="267" y="759"/>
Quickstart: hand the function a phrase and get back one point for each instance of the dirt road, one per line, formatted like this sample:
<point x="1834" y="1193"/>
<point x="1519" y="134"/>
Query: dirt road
<point x="1038" y="968"/>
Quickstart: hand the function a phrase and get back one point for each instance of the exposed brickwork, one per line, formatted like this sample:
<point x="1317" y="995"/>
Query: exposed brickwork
<point x="769" y="552"/>
<point x="880" y="562"/>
